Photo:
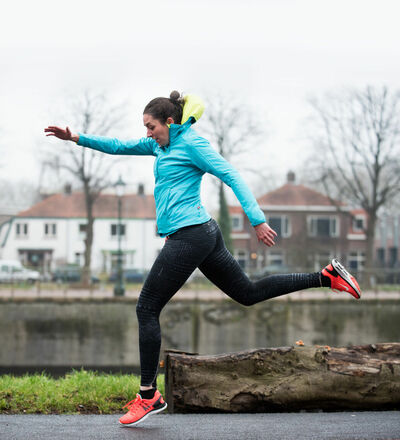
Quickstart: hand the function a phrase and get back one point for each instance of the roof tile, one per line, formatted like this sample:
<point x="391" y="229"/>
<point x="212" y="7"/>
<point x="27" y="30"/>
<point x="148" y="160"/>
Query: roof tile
<point x="73" y="205"/>
<point x="294" y="195"/>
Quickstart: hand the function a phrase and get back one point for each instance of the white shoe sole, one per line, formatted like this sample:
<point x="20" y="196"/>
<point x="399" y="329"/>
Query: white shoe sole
<point x="145" y="417"/>
<point x="345" y="275"/>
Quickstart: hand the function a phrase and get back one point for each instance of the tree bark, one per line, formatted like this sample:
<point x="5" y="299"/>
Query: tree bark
<point x="370" y="262"/>
<point x="285" y="379"/>
<point x="89" y="202"/>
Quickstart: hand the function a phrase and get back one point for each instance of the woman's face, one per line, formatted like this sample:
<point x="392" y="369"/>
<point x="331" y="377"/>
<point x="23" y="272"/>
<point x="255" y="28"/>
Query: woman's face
<point x="156" y="130"/>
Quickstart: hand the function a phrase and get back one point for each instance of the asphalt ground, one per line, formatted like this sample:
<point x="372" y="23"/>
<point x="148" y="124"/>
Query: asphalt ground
<point x="283" y="426"/>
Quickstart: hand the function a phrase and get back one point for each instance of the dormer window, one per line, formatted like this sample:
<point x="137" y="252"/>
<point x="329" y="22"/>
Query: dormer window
<point x="280" y="224"/>
<point x="237" y="222"/>
<point x="358" y="223"/>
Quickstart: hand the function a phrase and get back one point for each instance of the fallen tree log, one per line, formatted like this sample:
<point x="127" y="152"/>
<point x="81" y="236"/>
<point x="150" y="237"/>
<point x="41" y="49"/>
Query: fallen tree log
<point x="285" y="379"/>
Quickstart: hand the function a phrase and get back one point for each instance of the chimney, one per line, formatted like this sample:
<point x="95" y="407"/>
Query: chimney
<point x="291" y="177"/>
<point x="68" y="189"/>
<point x="140" y="189"/>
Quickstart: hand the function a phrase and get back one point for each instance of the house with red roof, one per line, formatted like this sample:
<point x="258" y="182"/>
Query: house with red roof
<point x="51" y="233"/>
<point x="312" y="229"/>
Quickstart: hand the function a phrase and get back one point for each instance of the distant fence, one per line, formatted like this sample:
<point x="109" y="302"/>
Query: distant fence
<point x="377" y="277"/>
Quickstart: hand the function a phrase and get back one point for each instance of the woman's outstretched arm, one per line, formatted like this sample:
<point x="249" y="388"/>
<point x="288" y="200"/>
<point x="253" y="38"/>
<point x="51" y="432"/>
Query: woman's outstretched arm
<point x="210" y="161"/>
<point x="143" y="146"/>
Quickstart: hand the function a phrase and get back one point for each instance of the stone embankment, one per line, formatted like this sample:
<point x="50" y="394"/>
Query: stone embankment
<point x="184" y="294"/>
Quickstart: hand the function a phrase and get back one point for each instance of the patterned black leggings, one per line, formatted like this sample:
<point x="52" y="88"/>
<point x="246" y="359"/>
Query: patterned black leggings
<point x="199" y="246"/>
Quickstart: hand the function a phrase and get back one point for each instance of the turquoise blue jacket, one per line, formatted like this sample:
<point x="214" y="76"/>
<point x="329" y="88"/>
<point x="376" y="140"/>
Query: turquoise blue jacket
<point x="178" y="170"/>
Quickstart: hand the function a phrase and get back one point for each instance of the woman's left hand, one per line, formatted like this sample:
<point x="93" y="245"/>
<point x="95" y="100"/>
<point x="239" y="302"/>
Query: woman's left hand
<point x="265" y="234"/>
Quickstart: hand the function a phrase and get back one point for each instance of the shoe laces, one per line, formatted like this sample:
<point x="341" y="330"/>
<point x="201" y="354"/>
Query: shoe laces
<point x="134" y="404"/>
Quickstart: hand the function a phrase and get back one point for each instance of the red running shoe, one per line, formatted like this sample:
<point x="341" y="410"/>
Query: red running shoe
<point x="341" y="280"/>
<point x="140" y="409"/>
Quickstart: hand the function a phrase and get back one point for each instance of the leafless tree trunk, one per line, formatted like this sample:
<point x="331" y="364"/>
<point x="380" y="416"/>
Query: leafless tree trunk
<point x="357" y="154"/>
<point x="91" y="169"/>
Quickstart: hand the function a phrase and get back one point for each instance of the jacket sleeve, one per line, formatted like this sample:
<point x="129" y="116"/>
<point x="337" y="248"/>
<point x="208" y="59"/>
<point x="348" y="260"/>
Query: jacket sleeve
<point x="143" y="146"/>
<point x="210" y="161"/>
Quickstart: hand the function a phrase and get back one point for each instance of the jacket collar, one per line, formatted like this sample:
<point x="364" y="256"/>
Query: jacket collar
<point x="175" y="130"/>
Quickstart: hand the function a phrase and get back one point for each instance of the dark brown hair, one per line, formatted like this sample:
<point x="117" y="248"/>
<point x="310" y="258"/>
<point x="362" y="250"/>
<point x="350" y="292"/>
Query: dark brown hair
<point x="164" y="108"/>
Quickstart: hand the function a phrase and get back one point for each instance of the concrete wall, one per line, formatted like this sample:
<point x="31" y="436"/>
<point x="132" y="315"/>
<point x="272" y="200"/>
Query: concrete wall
<point x="105" y="332"/>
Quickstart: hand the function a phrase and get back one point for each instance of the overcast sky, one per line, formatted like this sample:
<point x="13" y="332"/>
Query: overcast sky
<point x="271" y="54"/>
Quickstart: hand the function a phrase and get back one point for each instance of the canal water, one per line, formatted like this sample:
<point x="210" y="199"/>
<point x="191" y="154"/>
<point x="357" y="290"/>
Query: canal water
<point x="96" y="333"/>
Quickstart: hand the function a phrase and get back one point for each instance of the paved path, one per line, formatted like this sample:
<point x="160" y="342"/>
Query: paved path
<point x="290" y="426"/>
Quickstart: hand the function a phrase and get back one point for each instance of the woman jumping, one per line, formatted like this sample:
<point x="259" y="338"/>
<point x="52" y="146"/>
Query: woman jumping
<point x="193" y="238"/>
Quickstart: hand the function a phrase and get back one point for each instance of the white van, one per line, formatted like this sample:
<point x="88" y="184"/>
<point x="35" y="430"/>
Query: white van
<point x="12" y="270"/>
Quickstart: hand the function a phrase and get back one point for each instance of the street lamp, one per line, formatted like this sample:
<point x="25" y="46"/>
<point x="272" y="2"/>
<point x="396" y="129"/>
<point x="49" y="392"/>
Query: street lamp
<point x="119" y="288"/>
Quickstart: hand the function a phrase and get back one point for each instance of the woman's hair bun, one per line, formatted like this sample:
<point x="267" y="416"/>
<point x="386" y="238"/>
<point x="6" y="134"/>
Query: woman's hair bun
<point x="175" y="96"/>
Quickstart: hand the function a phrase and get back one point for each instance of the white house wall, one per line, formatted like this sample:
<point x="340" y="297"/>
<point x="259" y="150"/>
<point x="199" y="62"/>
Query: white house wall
<point x="34" y="239"/>
<point x="141" y="240"/>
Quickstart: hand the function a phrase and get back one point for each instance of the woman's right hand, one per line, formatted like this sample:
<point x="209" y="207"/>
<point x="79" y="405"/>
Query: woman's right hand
<point x="61" y="133"/>
<point x="265" y="234"/>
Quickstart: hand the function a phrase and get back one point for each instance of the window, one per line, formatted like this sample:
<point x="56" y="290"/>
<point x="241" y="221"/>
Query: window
<point x="274" y="258"/>
<point x="237" y="222"/>
<point x="50" y="229"/>
<point x="79" y="258"/>
<point x="114" y="260"/>
<point x="393" y="256"/>
<point x="389" y="230"/>
<point x="356" y="260"/>
<point x="21" y="229"/>
<point x="280" y="224"/>
<point x="358" y="223"/>
<point x="16" y="269"/>
<point x="114" y="230"/>
<point x="380" y="255"/>
<point x="82" y="228"/>
<point x="319" y="259"/>
<point x="241" y="257"/>
<point x="4" y="268"/>
<point x="323" y="226"/>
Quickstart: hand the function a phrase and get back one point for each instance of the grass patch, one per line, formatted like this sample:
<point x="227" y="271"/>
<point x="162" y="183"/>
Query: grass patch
<point x="387" y="288"/>
<point x="79" y="392"/>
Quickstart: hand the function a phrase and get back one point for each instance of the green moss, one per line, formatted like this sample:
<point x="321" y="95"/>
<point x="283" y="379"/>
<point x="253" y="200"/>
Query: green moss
<point x="78" y="392"/>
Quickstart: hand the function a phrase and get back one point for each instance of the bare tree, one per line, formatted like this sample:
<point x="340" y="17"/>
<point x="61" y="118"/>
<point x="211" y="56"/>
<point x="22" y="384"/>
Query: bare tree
<point x="16" y="196"/>
<point x="358" y="148"/>
<point x="230" y="125"/>
<point x="93" y="114"/>
<point x="234" y="130"/>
